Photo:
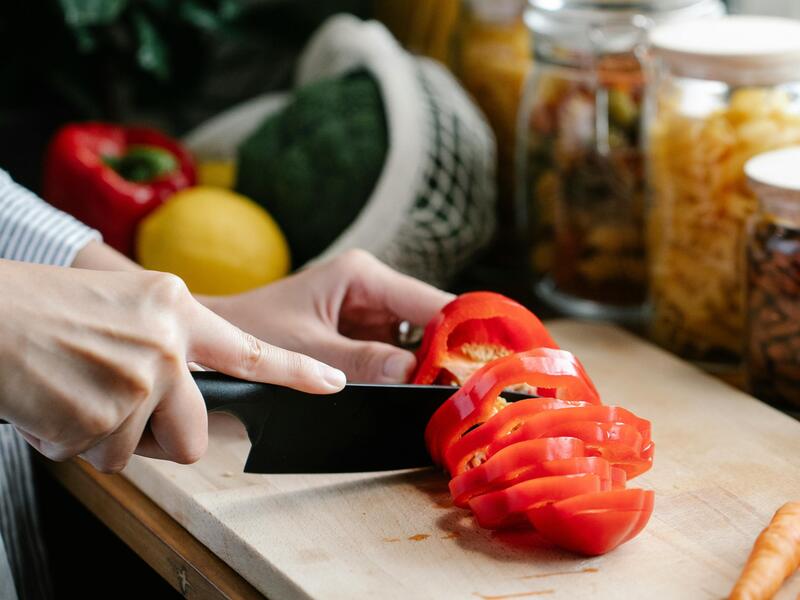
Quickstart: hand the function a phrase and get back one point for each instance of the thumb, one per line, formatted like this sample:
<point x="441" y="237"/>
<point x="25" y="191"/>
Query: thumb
<point x="217" y="344"/>
<point x="366" y="361"/>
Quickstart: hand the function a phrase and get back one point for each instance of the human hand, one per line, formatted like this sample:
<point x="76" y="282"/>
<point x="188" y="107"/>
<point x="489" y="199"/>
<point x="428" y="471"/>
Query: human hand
<point x="95" y="363"/>
<point x="344" y="312"/>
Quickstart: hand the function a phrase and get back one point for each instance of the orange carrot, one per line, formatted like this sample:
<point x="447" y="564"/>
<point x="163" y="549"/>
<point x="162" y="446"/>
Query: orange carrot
<point x="775" y="556"/>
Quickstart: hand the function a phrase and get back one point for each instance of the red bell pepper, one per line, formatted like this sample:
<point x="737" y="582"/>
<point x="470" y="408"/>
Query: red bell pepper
<point x="594" y="523"/>
<point x="512" y="464"/>
<point x="110" y="177"/>
<point x="608" y="431"/>
<point x="554" y="372"/>
<point x="510" y="506"/>
<point x="470" y="331"/>
<point x="559" y="461"/>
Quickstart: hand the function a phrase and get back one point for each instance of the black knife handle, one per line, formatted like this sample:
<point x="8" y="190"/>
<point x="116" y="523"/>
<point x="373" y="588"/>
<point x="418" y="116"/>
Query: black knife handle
<point x="223" y="393"/>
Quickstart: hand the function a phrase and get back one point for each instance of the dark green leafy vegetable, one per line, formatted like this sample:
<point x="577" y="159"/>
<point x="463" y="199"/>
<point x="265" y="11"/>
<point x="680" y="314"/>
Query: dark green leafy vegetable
<point x="314" y="165"/>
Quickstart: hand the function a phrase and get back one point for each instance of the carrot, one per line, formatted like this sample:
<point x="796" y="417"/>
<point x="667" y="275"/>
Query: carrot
<point x="775" y="556"/>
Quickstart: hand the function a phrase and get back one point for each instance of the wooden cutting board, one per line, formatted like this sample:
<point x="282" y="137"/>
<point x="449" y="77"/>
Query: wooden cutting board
<point x="724" y="463"/>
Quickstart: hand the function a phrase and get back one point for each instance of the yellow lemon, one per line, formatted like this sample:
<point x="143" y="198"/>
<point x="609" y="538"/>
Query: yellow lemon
<point x="217" y="173"/>
<point x="217" y="241"/>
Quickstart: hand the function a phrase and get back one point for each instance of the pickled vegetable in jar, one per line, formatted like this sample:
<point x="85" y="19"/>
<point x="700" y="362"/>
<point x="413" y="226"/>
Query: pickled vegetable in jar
<point x="773" y="279"/>
<point x="724" y="91"/>
<point x="579" y="151"/>
<point x="492" y="57"/>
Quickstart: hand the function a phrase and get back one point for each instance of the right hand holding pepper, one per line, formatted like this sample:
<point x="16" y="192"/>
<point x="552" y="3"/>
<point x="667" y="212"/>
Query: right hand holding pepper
<point x="94" y="363"/>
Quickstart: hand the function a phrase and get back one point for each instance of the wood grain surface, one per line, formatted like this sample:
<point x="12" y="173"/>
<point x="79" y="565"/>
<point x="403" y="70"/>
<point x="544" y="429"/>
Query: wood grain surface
<point x="724" y="463"/>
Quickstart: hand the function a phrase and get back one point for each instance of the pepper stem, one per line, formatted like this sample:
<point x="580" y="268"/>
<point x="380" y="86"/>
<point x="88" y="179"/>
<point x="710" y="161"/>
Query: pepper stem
<point x="142" y="164"/>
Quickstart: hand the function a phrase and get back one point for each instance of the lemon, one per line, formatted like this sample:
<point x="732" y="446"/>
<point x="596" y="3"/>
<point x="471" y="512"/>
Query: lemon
<point x="217" y="173"/>
<point x="217" y="241"/>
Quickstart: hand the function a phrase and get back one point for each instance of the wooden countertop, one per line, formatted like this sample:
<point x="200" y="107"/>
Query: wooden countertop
<point x="724" y="463"/>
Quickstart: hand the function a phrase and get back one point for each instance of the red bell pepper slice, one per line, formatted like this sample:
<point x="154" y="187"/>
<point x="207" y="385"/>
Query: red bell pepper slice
<point x="594" y="523"/>
<point x="511" y="463"/>
<point x="626" y="439"/>
<point x="509" y="418"/>
<point x="575" y="465"/>
<point x="621" y="444"/>
<point x="470" y="331"/>
<point x="539" y="369"/>
<point x="110" y="177"/>
<point x="509" y="506"/>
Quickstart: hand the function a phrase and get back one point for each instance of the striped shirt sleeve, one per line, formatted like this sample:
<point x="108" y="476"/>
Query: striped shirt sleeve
<point x="33" y="231"/>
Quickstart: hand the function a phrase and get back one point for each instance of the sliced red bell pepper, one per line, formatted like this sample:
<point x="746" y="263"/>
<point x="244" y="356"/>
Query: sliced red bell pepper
<point x="110" y="177"/>
<point x="621" y="444"/>
<point x="511" y="463"/>
<point x="594" y="523"/>
<point x="470" y="331"/>
<point x="576" y="465"/>
<point x="476" y="401"/>
<point x="509" y="506"/>
<point x="624" y="434"/>
<point x="509" y="418"/>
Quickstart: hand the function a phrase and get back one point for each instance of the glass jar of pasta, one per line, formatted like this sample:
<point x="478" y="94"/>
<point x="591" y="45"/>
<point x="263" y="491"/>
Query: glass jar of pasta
<point x="492" y="57"/>
<point x="773" y="279"/>
<point x="581" y="179"/>
<point x="723" y="90"/>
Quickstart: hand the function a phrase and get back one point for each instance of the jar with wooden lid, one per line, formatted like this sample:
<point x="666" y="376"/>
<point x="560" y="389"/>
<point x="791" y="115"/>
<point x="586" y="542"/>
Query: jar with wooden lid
<point x="580" y="170"/>
<point x="722" y="91"/>
<point x="492" y="57"/>
<point x="773" y="279"/>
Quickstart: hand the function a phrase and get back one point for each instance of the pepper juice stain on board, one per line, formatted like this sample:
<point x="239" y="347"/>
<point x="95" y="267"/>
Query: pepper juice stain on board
<point x="553" y="574"/>
<point x="517" y="595"/>
<point x="418" y="537"/>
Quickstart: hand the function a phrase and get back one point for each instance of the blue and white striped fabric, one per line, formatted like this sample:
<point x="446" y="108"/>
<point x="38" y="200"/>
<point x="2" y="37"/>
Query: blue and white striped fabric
<point x="31" y="231"/>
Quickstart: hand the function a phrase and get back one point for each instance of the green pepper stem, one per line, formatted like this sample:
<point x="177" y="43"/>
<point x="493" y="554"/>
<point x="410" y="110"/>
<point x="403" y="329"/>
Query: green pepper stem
<point x="143" y="164"/>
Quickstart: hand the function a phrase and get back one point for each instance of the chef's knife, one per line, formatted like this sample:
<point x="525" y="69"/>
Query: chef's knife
<point x="364" y="427"/>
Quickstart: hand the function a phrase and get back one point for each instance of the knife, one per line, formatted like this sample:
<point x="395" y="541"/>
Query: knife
<point x="364" y="427"/>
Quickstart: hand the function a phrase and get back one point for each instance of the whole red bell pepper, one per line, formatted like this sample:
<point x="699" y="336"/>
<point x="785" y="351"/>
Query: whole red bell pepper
<point x="110" y="177"/>
<point x="472" y="330"/>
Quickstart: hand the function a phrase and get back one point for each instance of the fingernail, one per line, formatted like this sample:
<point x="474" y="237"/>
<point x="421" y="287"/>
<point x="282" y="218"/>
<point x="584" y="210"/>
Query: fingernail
<point x="398" y="366"/>
<point x="333" y="377"/>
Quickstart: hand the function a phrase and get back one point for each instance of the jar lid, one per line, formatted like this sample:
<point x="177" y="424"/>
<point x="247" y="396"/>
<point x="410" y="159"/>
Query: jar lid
<point x="619" y="22"/>
<point x="776" y="169"/>
<point x="737" y="49"/>
<point x="497" y="11"/>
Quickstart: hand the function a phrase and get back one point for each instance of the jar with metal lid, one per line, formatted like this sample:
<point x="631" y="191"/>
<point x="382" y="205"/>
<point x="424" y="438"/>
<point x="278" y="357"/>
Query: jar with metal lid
<point x="723" y="91"/>
<point x="773" y="279"/>
<point x="492" y="57"/>
<point x="581" y="178"/>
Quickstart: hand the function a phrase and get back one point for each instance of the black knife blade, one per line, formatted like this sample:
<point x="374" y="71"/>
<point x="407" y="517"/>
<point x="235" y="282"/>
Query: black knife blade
<point x="364" y="427"/>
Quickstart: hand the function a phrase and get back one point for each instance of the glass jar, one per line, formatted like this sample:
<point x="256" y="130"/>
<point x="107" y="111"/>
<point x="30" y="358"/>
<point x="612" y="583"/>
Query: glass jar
<point x="723" y="91"/>
<point x="492" y="57"/>
<point x="581" y="178"/>
<point x="773" y="279"/>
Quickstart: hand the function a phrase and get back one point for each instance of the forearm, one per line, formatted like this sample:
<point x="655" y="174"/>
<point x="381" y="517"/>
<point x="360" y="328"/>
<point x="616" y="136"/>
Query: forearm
<point x="97" y="256"/>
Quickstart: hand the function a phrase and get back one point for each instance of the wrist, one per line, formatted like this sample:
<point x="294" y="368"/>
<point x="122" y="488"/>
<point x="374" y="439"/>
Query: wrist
<point x="215" y="304"/>
<point x="97" y="256"/>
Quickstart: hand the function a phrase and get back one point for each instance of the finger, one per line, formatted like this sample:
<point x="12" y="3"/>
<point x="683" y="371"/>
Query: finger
<point x="178" y="427"/>
<point x="34" y="441"/>
<point x="217" y="344"/>
<point x="112" y="454"/>
<point x="406" y="297"/>
<point x="373" y="362"/>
